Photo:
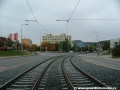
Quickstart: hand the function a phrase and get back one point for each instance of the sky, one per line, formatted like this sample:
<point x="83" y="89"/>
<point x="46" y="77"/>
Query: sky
<point x="101" y="16"/>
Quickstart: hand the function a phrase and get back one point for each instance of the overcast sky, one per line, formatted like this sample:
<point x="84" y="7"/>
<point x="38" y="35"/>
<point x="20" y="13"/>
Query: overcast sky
<point x="102" y="16"/>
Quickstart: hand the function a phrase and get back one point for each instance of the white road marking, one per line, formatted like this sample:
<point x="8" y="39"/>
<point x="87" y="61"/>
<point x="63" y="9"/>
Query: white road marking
<point x="87" y="55"/>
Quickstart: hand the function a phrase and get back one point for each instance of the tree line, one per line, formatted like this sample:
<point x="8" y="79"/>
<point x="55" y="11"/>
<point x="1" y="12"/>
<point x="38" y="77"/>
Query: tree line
<point x="6" y="43"/>
<point x="60" y="46"/>
<point x="116" y="49"/>
<point x="45" y="46"/>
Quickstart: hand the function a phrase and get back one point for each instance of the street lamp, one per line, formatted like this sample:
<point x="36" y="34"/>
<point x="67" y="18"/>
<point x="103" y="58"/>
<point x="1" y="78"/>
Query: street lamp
<point x="21" y="39"/>
<point x="40" y="33"/>
<point x="97" y="42"/>
<point x="67" y="31"/>
<point x="40" y="42"/>
<point x="31" y="20"/>
<point x="26" y="45"/>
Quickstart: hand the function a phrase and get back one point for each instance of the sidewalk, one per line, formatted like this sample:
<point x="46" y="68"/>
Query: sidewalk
<point x="109" y="57"/>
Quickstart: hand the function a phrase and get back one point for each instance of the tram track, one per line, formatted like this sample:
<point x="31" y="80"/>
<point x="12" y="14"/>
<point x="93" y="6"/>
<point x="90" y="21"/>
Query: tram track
<point x="29" y="79"/>
<point x="40" y="77"/>
<point x="76" y="77"/>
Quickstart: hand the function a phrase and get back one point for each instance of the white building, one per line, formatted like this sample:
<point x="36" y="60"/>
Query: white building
<point x="55" y="38"/>
<point x="112" y="41"/>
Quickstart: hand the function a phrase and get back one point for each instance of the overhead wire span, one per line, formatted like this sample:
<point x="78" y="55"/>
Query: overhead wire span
<point x="74" y="10"/>
<point x="94" y="19"/>
<point x="66" y="20"/>
<point x="42" y="27"/>
<point x="35" y="17"/>
<point x="31" y="10"/>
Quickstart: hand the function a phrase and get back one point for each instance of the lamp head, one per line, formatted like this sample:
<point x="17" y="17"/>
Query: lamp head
<point x="31" y="20"/>
<point x="26" y="20"/>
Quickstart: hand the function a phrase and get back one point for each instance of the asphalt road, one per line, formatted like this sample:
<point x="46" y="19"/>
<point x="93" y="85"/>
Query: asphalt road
<point x="100" y="60"/>
<point x="21" y="64"/>
<point x="9" y="63"/>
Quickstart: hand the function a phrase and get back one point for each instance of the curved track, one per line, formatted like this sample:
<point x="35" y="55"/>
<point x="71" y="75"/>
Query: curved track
<point x="69" y="75"/>
<point x="29" y="79"/>
<point x="76" y="77"/>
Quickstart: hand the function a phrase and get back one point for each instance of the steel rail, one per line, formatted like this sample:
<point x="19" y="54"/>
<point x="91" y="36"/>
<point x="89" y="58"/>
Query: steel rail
<point x="37" y="83"/>
<point x="10" y="82"/>
<point x="97" y="82"/>
<point x="70" y="85"/>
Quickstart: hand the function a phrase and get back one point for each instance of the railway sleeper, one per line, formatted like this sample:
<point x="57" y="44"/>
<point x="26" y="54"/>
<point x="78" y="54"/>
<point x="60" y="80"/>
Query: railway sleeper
<point x="23" y="83"/>
<point x="83" y="82"/>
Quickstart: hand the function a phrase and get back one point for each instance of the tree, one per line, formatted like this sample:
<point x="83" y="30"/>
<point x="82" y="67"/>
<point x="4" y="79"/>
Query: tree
<point x="34" y="47"/>
<point x="48" y="46"/>
<point x="17" y="45"/>
<point x="65" y="45"/>
<point x="116" y="49"/>
<point x="2" y="40"/>
<point x="1" y="43"/>
<point x="57" y="46"/>
<point x="44" y="46"/>
<point x="105" y="45"/>
<point x="29" y="48"/>
<point x="76" y="48"/>
<point x="9" y="43"/>
<point x="52" y="47"/>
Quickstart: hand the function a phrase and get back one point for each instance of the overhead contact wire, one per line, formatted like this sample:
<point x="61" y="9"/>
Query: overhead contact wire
<point x="35" y="17"/>
<point x="73" y="10"/>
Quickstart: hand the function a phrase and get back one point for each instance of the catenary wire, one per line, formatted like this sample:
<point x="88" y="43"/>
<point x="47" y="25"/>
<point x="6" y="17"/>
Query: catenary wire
<point x="95" y="19"/>
<point x="35" y="17"/>
<point x="70" y="19"/>
<point x="73" y="10"/>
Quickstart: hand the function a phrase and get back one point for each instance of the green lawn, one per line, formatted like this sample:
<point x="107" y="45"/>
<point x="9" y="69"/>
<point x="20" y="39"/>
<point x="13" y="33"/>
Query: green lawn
<point x="11" y="53"/>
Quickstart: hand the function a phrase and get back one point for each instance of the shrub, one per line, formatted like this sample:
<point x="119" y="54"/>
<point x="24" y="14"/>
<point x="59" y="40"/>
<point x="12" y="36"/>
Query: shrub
<point x="116" y="49"/>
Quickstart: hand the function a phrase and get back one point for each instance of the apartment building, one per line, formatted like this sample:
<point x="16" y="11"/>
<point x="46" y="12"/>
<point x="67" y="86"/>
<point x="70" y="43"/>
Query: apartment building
<point x="55" y="38"/>
<point x="27" y="41"/>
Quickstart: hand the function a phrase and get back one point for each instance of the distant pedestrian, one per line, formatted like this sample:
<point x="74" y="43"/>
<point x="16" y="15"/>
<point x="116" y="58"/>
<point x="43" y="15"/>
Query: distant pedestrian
<point x="98" y="53"/>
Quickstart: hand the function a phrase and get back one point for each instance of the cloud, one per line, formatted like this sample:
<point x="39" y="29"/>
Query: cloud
<point x="48" y="11"/>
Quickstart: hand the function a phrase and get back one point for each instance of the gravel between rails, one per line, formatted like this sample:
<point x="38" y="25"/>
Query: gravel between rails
<point x="110" y="77"/>
<point x="5" y="76"/>
<point x="53" y="81"/>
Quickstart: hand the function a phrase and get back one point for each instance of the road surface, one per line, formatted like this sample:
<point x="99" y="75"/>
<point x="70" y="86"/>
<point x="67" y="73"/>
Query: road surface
<point x="101" y="60"/>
